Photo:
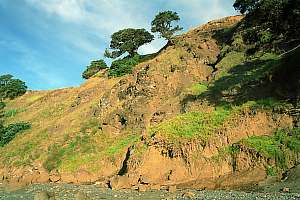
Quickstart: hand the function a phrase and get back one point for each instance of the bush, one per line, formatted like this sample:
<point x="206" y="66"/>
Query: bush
<point x="2" y="105"/>
<point x="94" y="68"/>
<point x="124" y="66"/>
<point x="11" y="88"/>
<point x="8" y="133"/>
<point x="278" y="146"/>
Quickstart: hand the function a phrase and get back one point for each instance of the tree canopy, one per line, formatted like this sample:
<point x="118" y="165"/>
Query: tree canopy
<point x="10" y="87"/>
<point x="245" y="6"/>
<point x="94" y="68"/>
<point x="270" y="20"/>
<point x="162" y="24"/>
<point x="127" y="40"/>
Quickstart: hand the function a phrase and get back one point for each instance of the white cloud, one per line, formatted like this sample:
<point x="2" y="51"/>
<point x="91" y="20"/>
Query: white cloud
<point x="103" y="17"/>
<point x="69" y="10"/>
<point x="95" y="17"/>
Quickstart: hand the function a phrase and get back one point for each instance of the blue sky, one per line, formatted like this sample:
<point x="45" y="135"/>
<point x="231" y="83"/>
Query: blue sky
<point x="48" y="43"/>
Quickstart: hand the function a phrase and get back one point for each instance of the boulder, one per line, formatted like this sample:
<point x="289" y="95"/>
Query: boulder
<point x="172" y="188"/>
<point x="68" y="178"/>
<point x="142" y="188"/>
<point x="43" y="177"/>
<point x="189" y="195"/>
<point x="145" y="180"/>
<point x="119" y="182"/>
<point x="81" y="196"/>
<point x="54" y="176"/>
<point x="42" y="195"/>
<point x="155" y="187"/>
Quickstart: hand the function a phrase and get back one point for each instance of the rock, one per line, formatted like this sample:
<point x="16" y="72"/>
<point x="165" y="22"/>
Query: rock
<point x="155" y="187"/>
<point x="189" y="195"/>
<point x="27" y="179"/>
<point x="85" y="177"/>
<point x="14" y="183"/>
<point x="172" y="188"/>
<point x="142" y="188"/>
<point x="54" y="176"/>
<point x="101" y="184"/>
<point x="42" y="196"/>
<point x="42" y="178"/>
<point x="119" y="182"/>
<point x="81" y="196"/>
<point x="68" y="178"/>
<point x="285" y="189"/>
<point x="145" y="180"/>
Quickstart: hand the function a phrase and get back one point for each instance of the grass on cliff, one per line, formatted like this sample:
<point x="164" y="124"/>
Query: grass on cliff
<point x="203" y="125"/>
<point x="85" y="151"/>
<point x="192" y="125"/>
<point x="280" y="146"/>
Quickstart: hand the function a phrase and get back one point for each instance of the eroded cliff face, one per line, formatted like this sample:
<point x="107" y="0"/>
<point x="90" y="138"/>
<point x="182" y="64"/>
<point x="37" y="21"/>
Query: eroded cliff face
<point x="102" y="132"/>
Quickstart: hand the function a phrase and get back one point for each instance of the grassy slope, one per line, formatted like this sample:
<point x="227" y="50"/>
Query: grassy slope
<point x="64" y="135"/>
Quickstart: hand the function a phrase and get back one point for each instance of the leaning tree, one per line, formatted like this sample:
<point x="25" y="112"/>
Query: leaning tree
<point x="127" y="40"/>
<point x="163" y="24"/>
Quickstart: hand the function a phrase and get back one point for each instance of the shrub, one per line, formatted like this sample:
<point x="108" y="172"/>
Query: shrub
<point x="2" y="105"/>
<point x="8" y="133"/>
<point x="124" y="66"/>
<point x="279" y="146"/>
<point x="94" y="68"/>
<point x="11" y="88"/>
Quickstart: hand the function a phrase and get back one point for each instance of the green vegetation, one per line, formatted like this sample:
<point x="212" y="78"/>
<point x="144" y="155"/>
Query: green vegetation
<point x="121" y="144"/>
<point x="25" y="150"/>
<point x="84" y="150"/>
<point x="198" y="88"/>
<point x="94" y="68"/>
<point x="59" y="152"/>
<point x="2" y="105"/>
<point x="200" y="125"/>
<point x="272" y="171"/>
<point x="11" y="113"/>
<point x="278" y="147"/>
<point x="238" y="79"/>
<point x="91" y="126"/>
<point x="162" y="24"/>
<point x="127" y="40"/>
<point x="231" y="60"/>
<point x="269" y="20"/>
<point x="11" y="88"/>
<point x="10" y="132"/>
<point x="125" y="65"/>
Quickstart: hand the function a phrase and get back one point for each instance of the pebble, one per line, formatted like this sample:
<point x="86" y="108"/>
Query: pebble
<point x="66" y="192"/>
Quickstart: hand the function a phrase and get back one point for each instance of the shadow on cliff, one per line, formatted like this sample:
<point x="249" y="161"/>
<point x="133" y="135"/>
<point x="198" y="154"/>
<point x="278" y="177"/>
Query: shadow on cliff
<point x="258" y="79"/>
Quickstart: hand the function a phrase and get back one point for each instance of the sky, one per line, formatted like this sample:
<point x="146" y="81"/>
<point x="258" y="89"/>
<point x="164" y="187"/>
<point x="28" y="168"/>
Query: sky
<point x="48" y="43"/>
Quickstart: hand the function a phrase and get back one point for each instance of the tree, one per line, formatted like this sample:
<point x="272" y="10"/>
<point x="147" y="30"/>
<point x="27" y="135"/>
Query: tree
<point x="162" y="24"/>
<point x="10" y="87"/>
<point x="128" y="40"/>
<point x="269" y="20"/>
<point x="245" y="6"/>
<point x="94" y="68"/>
